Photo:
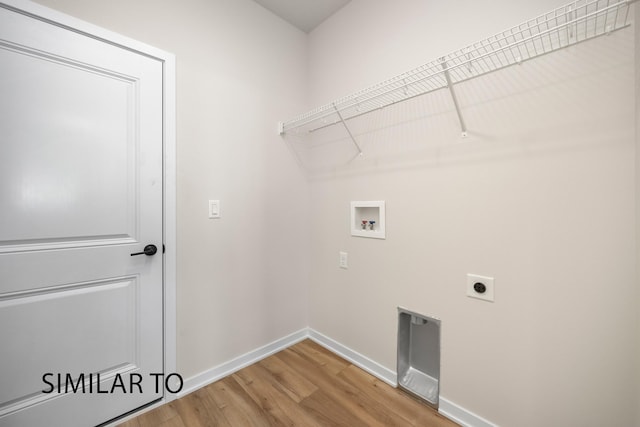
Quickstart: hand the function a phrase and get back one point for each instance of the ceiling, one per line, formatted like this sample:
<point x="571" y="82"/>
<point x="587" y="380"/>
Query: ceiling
<point x="304" y="14"/>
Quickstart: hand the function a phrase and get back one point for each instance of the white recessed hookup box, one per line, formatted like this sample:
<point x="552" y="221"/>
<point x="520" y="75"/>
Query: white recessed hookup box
<point x="368" y="219"/>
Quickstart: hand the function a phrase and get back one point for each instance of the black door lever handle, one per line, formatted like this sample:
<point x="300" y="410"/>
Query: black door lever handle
<point x="148" y="250"/>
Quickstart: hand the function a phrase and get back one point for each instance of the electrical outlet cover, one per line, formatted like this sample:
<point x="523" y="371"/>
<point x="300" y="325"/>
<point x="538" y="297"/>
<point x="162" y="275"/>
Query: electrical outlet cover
<point x="344" y="260"/>
<point x="487" y="295"/>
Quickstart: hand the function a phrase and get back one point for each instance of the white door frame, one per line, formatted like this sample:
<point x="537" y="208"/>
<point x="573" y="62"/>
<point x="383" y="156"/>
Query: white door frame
<point x="169" y="156"/>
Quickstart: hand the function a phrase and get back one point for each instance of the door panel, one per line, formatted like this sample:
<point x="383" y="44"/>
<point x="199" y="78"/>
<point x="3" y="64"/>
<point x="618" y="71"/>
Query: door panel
<point x="57" y="116"/>
<point x="106" y="308"/>
<point x="81" y="189"/>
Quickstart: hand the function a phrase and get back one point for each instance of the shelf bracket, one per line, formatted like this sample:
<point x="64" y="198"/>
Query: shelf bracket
<point x="453" y="96"/>
<point x="347" y="129"/>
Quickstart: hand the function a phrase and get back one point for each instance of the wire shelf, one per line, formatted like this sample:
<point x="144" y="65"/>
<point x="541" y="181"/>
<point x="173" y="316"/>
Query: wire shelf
<point x="565" y="26"/>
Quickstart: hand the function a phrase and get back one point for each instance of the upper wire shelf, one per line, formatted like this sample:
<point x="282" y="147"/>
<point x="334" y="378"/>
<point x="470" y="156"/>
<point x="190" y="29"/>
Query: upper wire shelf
<point x="565" y="26"/>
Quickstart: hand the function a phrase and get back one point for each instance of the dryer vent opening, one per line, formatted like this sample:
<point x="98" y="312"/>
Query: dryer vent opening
<point x="419" y="356"/>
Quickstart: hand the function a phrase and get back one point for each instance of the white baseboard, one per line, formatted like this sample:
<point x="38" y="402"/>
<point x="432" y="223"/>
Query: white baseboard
<point x="462" y="416"/>
<point x="447" y="408"/>
<point x="363" y="362"/>
<point x="214" y="374"/>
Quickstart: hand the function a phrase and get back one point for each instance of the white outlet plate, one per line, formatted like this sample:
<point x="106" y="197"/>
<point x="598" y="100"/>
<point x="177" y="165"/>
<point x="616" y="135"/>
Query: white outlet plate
<point x="214" y="208"/>
<point x="344" y="260"/>
<point x="472" y="279"/>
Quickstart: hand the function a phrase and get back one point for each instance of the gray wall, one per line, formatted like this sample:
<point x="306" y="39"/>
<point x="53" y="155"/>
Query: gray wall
<point x="540" y="196"/>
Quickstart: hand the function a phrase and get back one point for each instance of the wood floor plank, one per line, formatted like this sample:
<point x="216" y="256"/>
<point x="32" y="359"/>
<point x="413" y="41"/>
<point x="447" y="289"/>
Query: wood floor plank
<point x="238" y="408"/>
<point x="299" y="361"/>
<point x="258" y="382"/>
<point x="173" y="422"/>
<point x="329" y="411"/>
<point x="321" y="356"/>
<point x="199" y="410"/>
<point x="365" y="408"/>
<point x="304" y="385"/>
<point x="190" y="412"/>
<point x="293" y="383"/>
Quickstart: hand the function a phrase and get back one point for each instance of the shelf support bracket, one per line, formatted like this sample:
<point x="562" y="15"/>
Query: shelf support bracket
<point x="453" y="96"/>
<point x="347" y="129"/>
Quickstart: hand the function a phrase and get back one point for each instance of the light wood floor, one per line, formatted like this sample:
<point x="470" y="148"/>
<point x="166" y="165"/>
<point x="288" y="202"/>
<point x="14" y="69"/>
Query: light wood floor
<point x="304" y="385"/>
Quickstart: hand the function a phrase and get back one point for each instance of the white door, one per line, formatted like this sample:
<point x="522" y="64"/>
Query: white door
<point x="80" y="191"/>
